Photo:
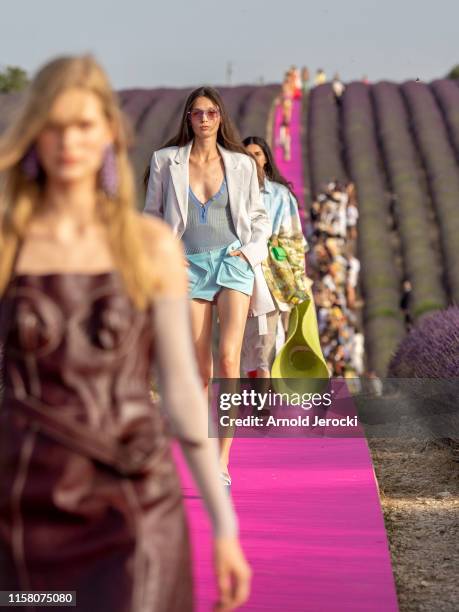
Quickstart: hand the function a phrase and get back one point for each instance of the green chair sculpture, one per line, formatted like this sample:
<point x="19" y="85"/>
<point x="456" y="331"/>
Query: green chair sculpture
<point x="301" y="356"/>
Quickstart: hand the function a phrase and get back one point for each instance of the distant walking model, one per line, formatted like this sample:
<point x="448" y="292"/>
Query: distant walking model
<point x="305" y="76"/>
<point x="205" y="185"/>
<point x="288" y="90"/>
<point x="90" y="500"/>
<point x="320" y="77"/>
<point x="285" y="267"/>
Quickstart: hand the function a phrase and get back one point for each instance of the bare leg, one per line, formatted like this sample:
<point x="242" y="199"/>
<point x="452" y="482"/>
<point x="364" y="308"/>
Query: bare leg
<point x="350" y="296"/>
<point x="201" y="324"/>
<point x="262" y="373"/>
<point x="268" y="348"/>
<point x="233" y="308"/>
<point x="287" y="144"/>
<point x="285" y="318"/>
<point x="281" y="136"/>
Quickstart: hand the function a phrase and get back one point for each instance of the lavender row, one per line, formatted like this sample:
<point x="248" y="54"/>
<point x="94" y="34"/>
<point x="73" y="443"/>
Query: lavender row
<point x="135" y="102"/>
<point x="447" y="95"/>
<point x="235" y="100"/>
<point x="254" y="121"/>
<point x="379" y="278"/>
<point x="420" y="259"/>
<point x="323" y="139"/>
<point x="442" y="171"/>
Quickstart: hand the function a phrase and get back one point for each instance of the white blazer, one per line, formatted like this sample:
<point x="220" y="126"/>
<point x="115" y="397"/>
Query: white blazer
<point x="167" y="198"/>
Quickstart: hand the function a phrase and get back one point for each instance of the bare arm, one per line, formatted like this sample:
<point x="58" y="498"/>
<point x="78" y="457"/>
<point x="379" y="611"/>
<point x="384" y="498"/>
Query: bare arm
<point x="181" y="391"/>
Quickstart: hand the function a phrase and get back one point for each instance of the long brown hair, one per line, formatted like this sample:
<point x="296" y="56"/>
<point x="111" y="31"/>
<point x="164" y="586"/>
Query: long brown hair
<point x="21" y="196"/>
<point x="270" y="169"/>
<point x="227" y="135"/>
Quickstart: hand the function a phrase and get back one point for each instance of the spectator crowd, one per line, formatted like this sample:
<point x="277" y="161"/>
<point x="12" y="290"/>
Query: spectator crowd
<point x="334" y="268"/>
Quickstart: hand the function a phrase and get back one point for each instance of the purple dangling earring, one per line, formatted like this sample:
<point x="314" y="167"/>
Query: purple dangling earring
<point x="30" y="164"/>
<point x="109" y="172"/>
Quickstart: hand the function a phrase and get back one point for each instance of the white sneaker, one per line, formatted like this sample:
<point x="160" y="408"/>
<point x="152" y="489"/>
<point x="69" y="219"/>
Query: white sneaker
<point x="226" y="479"/>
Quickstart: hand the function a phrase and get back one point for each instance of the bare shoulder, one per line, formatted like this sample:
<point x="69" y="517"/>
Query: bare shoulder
<point x="166" y="254"/>
<point x="158" y="237"/>
<point x="152" y="227"/>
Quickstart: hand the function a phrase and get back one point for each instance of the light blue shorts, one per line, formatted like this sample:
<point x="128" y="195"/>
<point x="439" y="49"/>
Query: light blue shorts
<point x="211" y="271"/>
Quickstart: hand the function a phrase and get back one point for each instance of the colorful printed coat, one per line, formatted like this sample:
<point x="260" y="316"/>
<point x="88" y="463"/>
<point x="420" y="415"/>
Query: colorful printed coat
<point x="284" y="268"/>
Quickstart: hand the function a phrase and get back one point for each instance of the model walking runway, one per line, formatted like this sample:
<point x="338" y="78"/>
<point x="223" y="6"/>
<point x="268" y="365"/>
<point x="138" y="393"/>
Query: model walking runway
<point x="310" y="518"/>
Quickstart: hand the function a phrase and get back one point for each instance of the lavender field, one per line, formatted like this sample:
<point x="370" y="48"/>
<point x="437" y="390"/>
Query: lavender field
<point x="155" y="114"/>
<point x="399" y="144"/>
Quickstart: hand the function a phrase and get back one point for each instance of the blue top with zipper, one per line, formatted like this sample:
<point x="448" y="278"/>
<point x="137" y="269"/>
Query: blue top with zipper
<point x="209" y="226"/>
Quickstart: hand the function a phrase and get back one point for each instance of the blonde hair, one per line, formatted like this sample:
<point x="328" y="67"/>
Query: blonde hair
<point x="20" y="196"/>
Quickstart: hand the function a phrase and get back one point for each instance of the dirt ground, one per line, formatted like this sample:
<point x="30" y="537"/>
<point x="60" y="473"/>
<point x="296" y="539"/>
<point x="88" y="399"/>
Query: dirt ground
<point x="419" y="490"/>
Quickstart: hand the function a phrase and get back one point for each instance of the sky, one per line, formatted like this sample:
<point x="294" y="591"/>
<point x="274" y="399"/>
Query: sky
<point x="183" y="43"/>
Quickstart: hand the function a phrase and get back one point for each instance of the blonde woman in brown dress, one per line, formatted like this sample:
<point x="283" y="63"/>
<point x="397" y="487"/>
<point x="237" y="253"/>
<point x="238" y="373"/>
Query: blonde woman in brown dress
<point x="90" y="294"/>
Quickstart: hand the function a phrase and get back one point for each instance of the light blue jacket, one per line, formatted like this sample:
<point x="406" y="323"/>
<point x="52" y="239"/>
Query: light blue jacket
<point x="282" y="209"/>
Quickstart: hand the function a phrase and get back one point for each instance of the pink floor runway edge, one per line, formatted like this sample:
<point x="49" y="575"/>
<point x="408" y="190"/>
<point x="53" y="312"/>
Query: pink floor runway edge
<point x="310" y="519"/>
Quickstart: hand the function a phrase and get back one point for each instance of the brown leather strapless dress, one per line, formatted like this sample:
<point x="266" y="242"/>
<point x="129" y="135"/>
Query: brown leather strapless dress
<point x="90" y="500"/>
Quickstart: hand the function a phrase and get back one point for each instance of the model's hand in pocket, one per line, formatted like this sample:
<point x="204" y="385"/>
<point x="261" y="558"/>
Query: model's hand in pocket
<point x="239" y="254"/>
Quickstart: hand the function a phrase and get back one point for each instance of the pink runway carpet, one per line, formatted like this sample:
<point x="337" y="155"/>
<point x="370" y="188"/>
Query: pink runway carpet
<point x="293" y="169"/>
<point x="310" y="520"/>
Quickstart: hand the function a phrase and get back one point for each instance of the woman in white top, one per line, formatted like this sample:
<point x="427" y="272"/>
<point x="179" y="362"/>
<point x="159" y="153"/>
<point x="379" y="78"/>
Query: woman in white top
<point x="205" y="185"/>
